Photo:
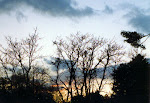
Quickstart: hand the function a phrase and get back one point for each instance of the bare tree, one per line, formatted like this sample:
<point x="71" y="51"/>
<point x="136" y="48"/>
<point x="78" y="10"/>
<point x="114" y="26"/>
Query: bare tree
<point x="19" y="56"/>
<point x="57" y="62"/>
<point x="112" y="55"/>
<point x="83" y="54"/>
<point x="31" y="48"/>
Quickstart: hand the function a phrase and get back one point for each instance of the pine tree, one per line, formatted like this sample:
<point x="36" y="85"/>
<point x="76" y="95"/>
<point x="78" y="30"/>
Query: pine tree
<point x="131" y="81"/>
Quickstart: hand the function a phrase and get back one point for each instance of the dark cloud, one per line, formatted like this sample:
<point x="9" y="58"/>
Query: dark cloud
<point x="141" y="22"/>
<point x="52" y="7"/>
<point x="108" y="10"/>
<point x="62" y="65"/>
<point x="138" y="18"/>
<point x="66" y="73"/>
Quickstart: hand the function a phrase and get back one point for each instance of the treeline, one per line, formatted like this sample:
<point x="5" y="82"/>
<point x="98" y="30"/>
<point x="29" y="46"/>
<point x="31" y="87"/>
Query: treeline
<point x="86" y="61"/>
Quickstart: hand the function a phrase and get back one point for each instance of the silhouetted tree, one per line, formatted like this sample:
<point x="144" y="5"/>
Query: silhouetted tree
<point x="57" y="62"/>
<point x="90" y="98"/>
<point x="134" y="38"/>
<point x="23" y="80"/>
<point x="83" y="54"/>
<point x="131" y="81"/>
<point x="20" y="55"/>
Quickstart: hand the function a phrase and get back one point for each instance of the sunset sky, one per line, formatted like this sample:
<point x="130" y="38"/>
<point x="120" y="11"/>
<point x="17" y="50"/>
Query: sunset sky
<point x="104" y="18"/>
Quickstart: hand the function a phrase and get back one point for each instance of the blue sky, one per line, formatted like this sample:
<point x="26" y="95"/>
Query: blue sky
<point x="104" y="18"/>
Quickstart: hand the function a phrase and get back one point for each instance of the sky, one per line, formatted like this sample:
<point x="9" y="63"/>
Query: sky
<point x="53" y="18"/>
<point x="60" y="18"/>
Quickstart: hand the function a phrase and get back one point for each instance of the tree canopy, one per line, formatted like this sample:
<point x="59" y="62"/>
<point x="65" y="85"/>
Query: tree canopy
<point x="134" y="38"/>
<point x="131" y="81"/>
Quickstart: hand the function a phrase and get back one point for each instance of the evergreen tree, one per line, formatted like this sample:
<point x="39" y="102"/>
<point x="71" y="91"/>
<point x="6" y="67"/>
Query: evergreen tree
<point x="131" y="81"/>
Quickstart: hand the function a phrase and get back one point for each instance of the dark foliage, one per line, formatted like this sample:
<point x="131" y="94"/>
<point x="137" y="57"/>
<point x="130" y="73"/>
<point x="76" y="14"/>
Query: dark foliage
<point x="78" y="99"/>
<point x="133" y="38"/>
<point x="15" y="90"/>
<point x="90" y="98"/>
<point x="131" y="81"/>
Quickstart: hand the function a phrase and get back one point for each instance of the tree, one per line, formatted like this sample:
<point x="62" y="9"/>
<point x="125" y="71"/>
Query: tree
<point x="20" y="56"/>
<point x="90" y="98"/>
<point x="57" y="62"/>
<point x="83" y="55"/>
<point x="22" y="78"/>
<point x="131" y="81"/>
<point x="134" y="38"/>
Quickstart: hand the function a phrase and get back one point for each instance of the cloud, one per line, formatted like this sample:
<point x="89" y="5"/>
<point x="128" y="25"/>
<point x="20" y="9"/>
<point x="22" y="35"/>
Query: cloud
<point x="20" y="16"/>
<point x="141" y="22"/>
<point x="108" y="10"/>
<point x="52" y="7"/>
<point x="138" y="18"/>
<point x="64" y="69"/>
<point x="62" y="65"/>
